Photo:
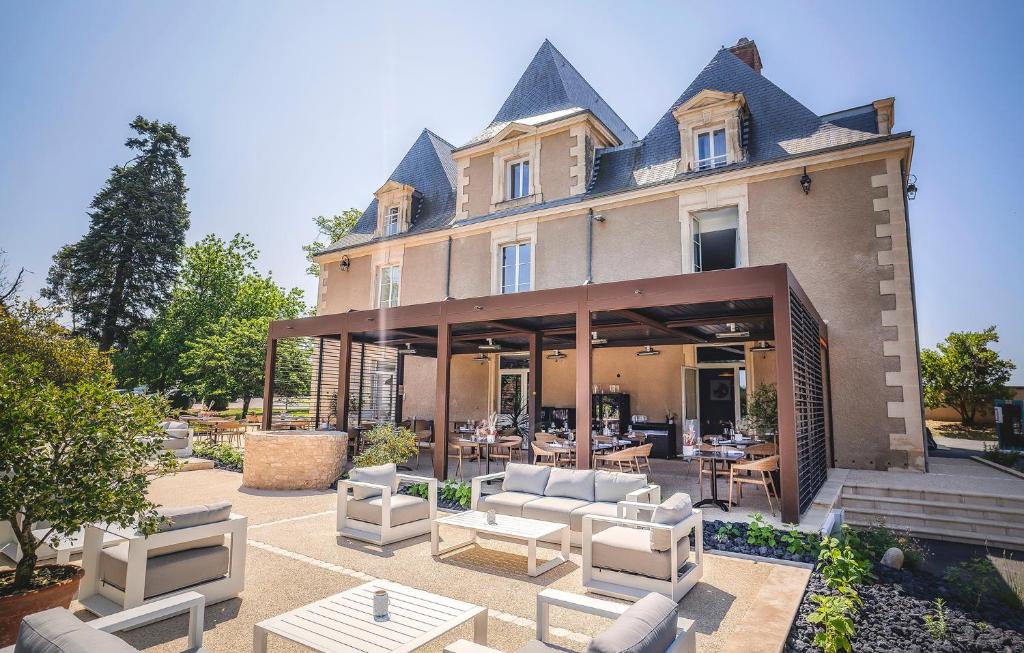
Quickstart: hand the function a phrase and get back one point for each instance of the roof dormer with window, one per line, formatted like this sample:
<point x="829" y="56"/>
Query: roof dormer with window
<point x="396" y="203"/>
<point x="711" y="130"/>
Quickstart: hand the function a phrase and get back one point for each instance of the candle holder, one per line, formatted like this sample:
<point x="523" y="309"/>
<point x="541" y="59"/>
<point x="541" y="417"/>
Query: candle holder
<point x="380" y="604"/>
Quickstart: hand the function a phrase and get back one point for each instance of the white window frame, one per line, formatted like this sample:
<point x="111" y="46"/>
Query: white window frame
<point x="510" y="188"/>
<point x="717" y="159"/>
<point x="392" y="221"/>
<point x="517" y="286"/>
<point x="394" y="286"/>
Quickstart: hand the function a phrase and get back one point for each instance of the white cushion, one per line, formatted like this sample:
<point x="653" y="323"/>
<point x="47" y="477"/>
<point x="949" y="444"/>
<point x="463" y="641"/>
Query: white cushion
<point x="531" y="479"/>
<point x="571" y="483"/>
<point x="614" y="486"/>
<point x="386" y="475"/>
<point x="671" y="511"/>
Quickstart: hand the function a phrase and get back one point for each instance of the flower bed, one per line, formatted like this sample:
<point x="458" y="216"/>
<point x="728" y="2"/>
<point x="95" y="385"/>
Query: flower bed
<point x="452" y="496"/>
<point x="758" y="539"/>
<point x="224" y="456"/>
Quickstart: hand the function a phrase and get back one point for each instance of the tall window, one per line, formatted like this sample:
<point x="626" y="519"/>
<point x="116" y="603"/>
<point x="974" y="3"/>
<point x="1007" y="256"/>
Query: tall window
<point x="716" y="243"/>
<point x="515" y="267"/>
<point x="387" y="286"/>
<point x="391" y="222"/>
<point x="711" y="151"/>
<point x="519" y="180"/>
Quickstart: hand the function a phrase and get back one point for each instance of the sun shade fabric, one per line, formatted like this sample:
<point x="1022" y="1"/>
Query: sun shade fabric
<point x="531" y="479"/>
<point x="614" y="486"/>
<point x="404" y="509"/>
<point x="386" y="475"/>
<point x="647" y="626"/>
<point x="570" y="483"/>
<point x="58" y="631"/>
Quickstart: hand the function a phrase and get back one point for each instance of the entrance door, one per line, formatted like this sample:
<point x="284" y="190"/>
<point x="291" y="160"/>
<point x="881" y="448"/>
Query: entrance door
<point x="717" y="399"/>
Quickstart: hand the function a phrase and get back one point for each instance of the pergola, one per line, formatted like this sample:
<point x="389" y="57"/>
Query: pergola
<point x="766" y="302"/>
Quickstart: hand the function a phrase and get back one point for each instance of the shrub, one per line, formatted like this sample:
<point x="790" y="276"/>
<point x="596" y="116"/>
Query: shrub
<point x="874" y="541"/>
<point x="798" y="542"/>
<point x="421" y="490"/>
<point x="835" y="615"/>
<point x="999" y="457"/>
<point x="935" y="621"/>
<point x="977" y="578"/>
<point x="759" y="533"/>
<point x="386" y="443"/>
<point x="727" y="531"/>
<point x="223" y="453"/>
<point x="456" y="492"/>
<point x="74" y="450"/>
<point x="840" y="566"/>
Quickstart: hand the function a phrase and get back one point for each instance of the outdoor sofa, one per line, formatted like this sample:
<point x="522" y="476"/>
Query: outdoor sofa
<point x="189" y="552"/>
<point x="651" y="625"/>
<point x="370" y="509"/>
<point x="177" y="438"/>
<point x="559" y="495"/>
<point x="57" y="630"/>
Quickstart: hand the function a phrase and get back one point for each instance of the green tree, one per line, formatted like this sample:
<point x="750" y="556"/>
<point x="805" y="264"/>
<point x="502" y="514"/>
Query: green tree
<point x="122" y="270"/>
<point x="61" y="289"/>
<point x="227" y="363"/>
<point x="329" y="230"/>
<point x="212" y="275"/>
<point x="965" y="373"/>
<point x="74" y="450"/>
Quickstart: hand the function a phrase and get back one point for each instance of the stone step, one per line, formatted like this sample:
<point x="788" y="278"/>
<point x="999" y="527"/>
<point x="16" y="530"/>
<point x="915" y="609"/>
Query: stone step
<point x="974" y="511"/>
<point x="858" y="518"/>
<point x="911" y="520"/>
<point x="954" y="497"/>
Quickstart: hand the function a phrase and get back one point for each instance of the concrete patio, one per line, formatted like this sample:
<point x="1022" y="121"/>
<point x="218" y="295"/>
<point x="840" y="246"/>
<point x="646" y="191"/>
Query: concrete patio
<point x="295" y="557"/>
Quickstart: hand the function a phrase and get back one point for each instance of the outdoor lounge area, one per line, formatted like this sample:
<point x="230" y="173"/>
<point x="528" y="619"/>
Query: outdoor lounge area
<point x="295" y="557"/>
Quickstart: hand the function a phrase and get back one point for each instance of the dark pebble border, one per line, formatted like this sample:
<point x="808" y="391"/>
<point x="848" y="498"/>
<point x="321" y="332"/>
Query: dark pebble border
<point x="739" y="544"/>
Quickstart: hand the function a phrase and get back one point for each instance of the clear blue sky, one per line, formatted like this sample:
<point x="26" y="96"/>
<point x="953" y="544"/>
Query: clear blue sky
<point x="302" y="108"/>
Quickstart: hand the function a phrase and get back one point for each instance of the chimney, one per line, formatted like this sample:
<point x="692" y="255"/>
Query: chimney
<point x="746" y="50"/>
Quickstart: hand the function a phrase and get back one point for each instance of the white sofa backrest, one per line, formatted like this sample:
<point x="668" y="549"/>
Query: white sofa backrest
<point x="612" y="487"/>
<point x="531" y="479"/>
<point x="571" y="484"/>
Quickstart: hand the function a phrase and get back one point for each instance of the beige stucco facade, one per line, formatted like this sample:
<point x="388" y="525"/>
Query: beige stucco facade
<point x="845" y="242"/>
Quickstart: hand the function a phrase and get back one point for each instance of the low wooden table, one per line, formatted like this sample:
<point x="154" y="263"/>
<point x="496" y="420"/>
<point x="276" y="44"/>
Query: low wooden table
<point x="517" y="528"/>
<point x="345" y="623"/>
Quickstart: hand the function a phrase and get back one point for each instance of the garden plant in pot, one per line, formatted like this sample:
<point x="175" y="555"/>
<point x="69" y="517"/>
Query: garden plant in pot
<point x="73" y="451"/>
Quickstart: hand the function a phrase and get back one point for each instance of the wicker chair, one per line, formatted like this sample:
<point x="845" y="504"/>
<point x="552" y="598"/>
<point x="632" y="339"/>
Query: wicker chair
<point x="463" y="451"/>
<point x="507" y="449"/>
<point x="543" y="455"/>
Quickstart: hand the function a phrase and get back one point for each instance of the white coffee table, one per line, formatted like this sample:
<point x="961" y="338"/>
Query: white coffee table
<point x="344" y="623"/>
<point x="517" y="528"/>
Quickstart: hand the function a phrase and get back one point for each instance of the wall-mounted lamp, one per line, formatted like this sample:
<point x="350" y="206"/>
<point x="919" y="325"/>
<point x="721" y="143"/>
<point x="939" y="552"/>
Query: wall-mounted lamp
<point x="805" y="182"/>
<point x="481" y="358"/>
<point x="648" y="351"/>
<point x="345" y="264"/>
<point x="912" y="187"/>
<point x="556" y="356"/>
<point x="598" y="218"/>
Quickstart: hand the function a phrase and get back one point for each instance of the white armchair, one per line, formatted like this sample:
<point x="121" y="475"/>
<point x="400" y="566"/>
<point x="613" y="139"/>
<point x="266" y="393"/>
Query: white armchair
<point x="58" y="622"/>
<point x="189" y="554"/>
<point x="629" y="632"/>
<point x="631" y="556"/>
<point x="374" y="512"/>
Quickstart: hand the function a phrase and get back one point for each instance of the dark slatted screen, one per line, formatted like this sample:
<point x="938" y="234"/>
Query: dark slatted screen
<point x="810" y="404"/>
<point x="372" y="384"/>
<point x="325" y="380"/>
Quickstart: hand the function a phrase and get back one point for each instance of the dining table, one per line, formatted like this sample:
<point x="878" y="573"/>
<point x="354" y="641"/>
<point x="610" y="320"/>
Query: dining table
<point x="724" y="456"/>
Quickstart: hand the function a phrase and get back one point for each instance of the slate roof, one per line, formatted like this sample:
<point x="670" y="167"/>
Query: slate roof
<point x="429" y="168"/>
<point x="779" y="126"/>
<point x="551" y="89"/>
<point x="550" y="83"/>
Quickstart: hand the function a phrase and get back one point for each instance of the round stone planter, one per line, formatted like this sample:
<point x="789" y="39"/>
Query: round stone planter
<point x="15" y="607"/>
<point x="293" y="460"/>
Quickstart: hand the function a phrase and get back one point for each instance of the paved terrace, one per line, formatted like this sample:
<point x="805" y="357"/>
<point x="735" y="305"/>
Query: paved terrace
<point x="294" y="557"/>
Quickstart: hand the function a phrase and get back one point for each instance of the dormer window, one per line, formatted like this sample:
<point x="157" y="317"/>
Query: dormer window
<point x="519" y="179"/>
<point x="711" y="149"/>
<point x="392" y="222"/>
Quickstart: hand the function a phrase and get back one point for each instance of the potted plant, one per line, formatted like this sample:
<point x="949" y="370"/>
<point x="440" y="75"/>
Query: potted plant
<point x="386" y="443"/>
<point x="763" y="411"/>
<point x="73" y="451"/>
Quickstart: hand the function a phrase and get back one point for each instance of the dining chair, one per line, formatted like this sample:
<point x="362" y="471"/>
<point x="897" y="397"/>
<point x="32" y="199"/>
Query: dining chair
<point x="541" y="436"/>
<point x="231" y="432"/>
<point x="706" y="466"/>
<point x="542" y="455"/>
<point x="424" y="440"/>
<point x="765" y="466"/>
<point x="464" y="451"/>
<point x="763" y="450"/>
<point x="642" y="458"/>
<point x="623" y="460"/>
<point x="506" y="449"/>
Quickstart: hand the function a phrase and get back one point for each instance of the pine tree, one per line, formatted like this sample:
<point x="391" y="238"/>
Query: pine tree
<point x="124" y="267"/>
